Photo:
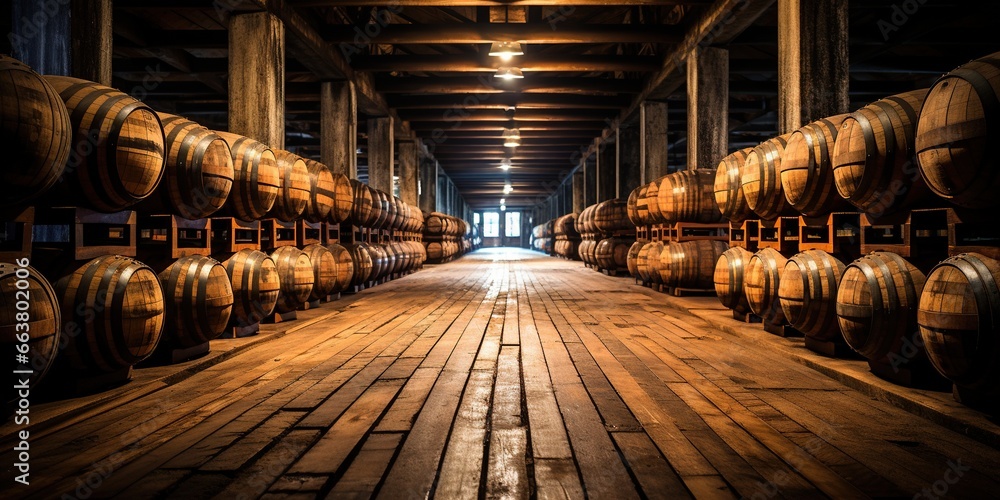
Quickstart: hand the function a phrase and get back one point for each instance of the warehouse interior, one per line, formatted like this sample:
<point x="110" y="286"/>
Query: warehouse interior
<point x="500" y="248"/>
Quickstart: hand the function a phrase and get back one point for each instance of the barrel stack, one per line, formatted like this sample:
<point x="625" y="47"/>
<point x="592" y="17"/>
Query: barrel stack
<point x="445" y="237"/>
<point x="607" y="233"/>
<point x="567" y="237"/>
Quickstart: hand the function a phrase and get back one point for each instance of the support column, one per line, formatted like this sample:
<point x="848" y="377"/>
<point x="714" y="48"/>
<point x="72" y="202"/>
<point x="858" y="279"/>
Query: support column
<point x="708" y="107"/>
<point x="43" y="43"/>
<point x="338" y="127"/>
<point x="408" y="161"/>
<point x="607" y="171"/>
<point x="813" y="73"/>
<point x="629" y="160"/>
<point x="579" y="198"/>
<point x="428" y="185"/>
<point x="653" y="135"/>
<point x="590" y="180"/>
<point x="380" y="153"/>
<point x="257" y="77"/>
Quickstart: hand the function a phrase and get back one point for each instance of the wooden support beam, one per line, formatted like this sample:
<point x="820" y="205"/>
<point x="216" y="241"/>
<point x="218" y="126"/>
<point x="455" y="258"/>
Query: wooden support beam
<point x="455" y="115"/>
<point x="607" y="171"/>
<point x="524" y="126"/>
<point x="380" y="153"/>
<point x="590" y="181"/>
<point x="504" y="101"/>
<point x="408" y="175"/>
<point x="339" y="127"/>
<point x="653" y="135"/>
<point x="91" y="44"/>
<point x="489" y="85"/>
<point x="533" y="33"/>
<point x="45" y="47"/>
<point x="257" y="79"/>
<point x="490" y="3"/>
<point x="462" y="63"/>
<point x="708" y="107"/>
<point x="629" y="148"/>
<point x="813" y="72"/>
<point x="428" y="184"/>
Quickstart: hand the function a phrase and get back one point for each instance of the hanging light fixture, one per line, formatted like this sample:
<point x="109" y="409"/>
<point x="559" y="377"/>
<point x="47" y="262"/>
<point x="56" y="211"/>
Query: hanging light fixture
<point x="505" y="164"/>
<point x="509" y="73"/>
<point x="506" y="50"/>
<point x="507" y="189"/>
<point x="511" y="137"/>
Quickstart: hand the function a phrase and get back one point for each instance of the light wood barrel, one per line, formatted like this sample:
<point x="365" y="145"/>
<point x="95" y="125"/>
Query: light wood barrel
<point x="379" y="261"/>
<point x="632" y="258"/>
<point x="610" y="215"/>
<point x="199" y="170"/>
<point x="324" y="269"/>
<point x="35" y="133"/>
<point x="808" y="294"/>
<point x="807" y="171"/>
<point x="566" y="226"/>
<point x="343" y="199"/>
<point x="956" y="313"/>
<point x="362" y="260"/>
<point x="376" y="213"/>
<point x="294" y="193"/>
<point x="728" y="278"/>
<point x="956" y="131"/>
<point x="320" y="192"/>
<point x="199" y="300"/>
<point x="113" y="311"/>
<point x="255" y="283"/>
<point x="295" y="278"/>
<point x="729" y="190"/>
<point x="361" y="209"/>
<point x="687" y="196"/>
<point x="653" y="201"/>
<point x="648" y="262"/>
<point x="345" y="266"/>
<point x="612" y="253"/>
<point x="760" y="285"/>
<point x="117" y="156"/>
<point x="690" y="264"/>
<point x="256" y="179"/>
<point x="877" y="303"/>
<point x="874" y="159"/>
<point x="567" y="248"/>
<point x="761" y="182"/>
<point x="32" y="294"/>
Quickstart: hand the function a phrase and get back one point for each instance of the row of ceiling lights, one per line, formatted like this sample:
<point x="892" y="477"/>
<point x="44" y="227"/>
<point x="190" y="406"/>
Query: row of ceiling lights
<point x="511" y="136"/>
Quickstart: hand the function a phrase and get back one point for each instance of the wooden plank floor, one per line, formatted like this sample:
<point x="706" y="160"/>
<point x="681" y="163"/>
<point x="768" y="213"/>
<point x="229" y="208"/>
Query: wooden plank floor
<point x="506" y="375"/>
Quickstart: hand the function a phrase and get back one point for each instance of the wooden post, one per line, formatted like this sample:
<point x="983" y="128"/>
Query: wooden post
<point x="607" y="170"/>
<point x="653" y="133"/>
<point x="257" y="78"/>
<point x="629" y="160"/>
<point x="380" y="153"/>
<point x="579" y="199"/>
<point x="90" y="46"/>
<point x="590" y="180"/>
<point x="338" y="127"/>
<point x="43" y="42"/>
<point x="708" y="107"/>
<point x="813" y="71"/>
<point x="428" y="185"/>
<point x="408" y="161"/>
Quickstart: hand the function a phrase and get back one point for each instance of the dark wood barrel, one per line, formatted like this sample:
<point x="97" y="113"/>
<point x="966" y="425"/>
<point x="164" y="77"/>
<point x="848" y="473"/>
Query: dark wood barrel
<point x="761" y="182"/>
<point x="437" y="223"/>
<point x="294" y="194"/>
<point x="728" y="278"/>
<point x="324" y="269"/>
<point x="690" y="264"/>
<point x="256" y="179"/>
<point x="361" y="207"/>
<point x="29" y="293"/>
<point x="612" y="253"/>
<point x="566" y="226"/>
<point x="362" y="260"/>
<point x="567" y="248"/>
<point x="632" y="258"/>
<point x="255" y="282"/>
<point x="611" y="215"/>
<point x="807" y="171"/>
<point x="117" y="156"/>
<point x="345" y="266"/>
<point x="199" y="170"/>
<point x="320" y="192"/>
<point x="199" y="300"/>
<point x="956" y="313"/>
<point x="343" y="199"/>
<point x="808" y="294"/>
<point x="648" y="262"/>
<point x="420" y="252"/>
<point x="760" y="285"/>
<point x="295" y="278"/>
<point x="877" y="303"/>
<point x="113" y="311"/>
<point x="687" y="196"/>
<point x="959" y="123"/>
<point x="401" y="211"/>
<point x="874" y="159"/>
<point x="35" y="133"/>
<point x="729" y="190"/>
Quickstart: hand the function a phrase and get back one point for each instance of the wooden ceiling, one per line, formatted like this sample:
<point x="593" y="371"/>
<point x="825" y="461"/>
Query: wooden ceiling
<point x="586" y="66"/>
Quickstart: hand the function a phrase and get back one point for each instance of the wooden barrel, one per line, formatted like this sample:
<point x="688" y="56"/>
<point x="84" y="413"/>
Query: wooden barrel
<point x="35" y="133"/>
<point x="294" y="194"/>
<point x="401" y="211"/>
<point x="647" y="263"/>
<point x="569" y="249"/>
<point x="610" y="215"/>
<point x="25" y="290"/>
<point x="760" y="285"/>
<point x="362" y="260"/>
<point x="117" y="155"/>
<point x="345" y="266"/>
<point x="436" y="223"/>
<point x="566" y="226"/>
<point x="199" y="170"/>
<point x="320" y="192"/>
<point x="653" y="201"/>
<point x="806" y="169"/>
<point x="874" y="159"/>
<point x="376" y="213"/>
<point x="690" y="264"/>
<point x="761" y="183"/>
<point x="361" y="207"/>
<point x="295" y="278"/>
<point x="113" y="311"/>
<point x="728" y="278"/>
<point x="379" y="261"/>
<point x="956" y="314"/>
<point x="435" y="250"/>
<point x="199" y="300"/>
<point x="957" y="127"/>
<point x="729" y="190"/>
<point x="343" y="199"/>
<point x="255" y="283"/>
<point x="687" y="196"/>
<point x="324" y="269"/>
<point x="256" y="179"/>
<point x="877" y="303"/>
<point x="808" y="294"/>
<point x="612" y="253"/>
<point x="632" y="258"/>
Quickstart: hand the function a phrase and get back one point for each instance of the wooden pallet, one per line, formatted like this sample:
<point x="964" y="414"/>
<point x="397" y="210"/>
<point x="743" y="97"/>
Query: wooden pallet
<point x="275" y="234"/>
<point x="83" y="234"/>
<point x="642" y="233"/>
<point x="173" y="237"/>
<point x="916" y="234"/>
<point x="15" y="233"/>
<point x="330" y="233"/>
<point x="783" y="330"/>
<point x="677" y="291"/>
<point x="745" y="234"/>
<point x="694" y="231"/>
<point x="231" y="235"/>
<point x="838" y="233"/>
<point x="308" y="233"/>
<point x="781" y="234"/>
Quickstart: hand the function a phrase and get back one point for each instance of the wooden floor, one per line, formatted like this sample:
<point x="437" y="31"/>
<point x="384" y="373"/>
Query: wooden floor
<point x="506" y="375"/>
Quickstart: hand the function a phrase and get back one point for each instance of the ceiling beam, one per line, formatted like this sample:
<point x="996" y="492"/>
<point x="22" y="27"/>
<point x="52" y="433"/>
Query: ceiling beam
<point x="527" y="126"/>
<point x="502" y="101"/>
<point x="458" y="114"/>
<point x="489" y="85"/>
<point x="531" y="33"/>
<point x="461" y="63"/>
<point x="488" y="3"/>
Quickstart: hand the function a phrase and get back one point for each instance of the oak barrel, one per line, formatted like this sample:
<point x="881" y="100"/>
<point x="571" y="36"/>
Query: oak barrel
<point x="379" y="261"/>
<point x="113" y="314"/>
<point x="345" y="266"/>
<point x="343" y="199"/>
<point x="729" y="190"/>
<point x="956" y="313"/>
<point x="690" y="264"/>
<point x="295" y="278"/>
<point x="32" y="294"/>
<point x="877" y="303"/>
<point x="647" y="263"/>
<point x="294" y="193"/>
<point x="199" y="170"/>
<point x="610" y="216"/>
<point x="320" y="192"/>
<point x="653" y="201"/>
<point x="958" y="128"/>
<point x="807" y="170"/>
<point x="808" y="294"/>
<point x="728" y="278"/>
<point x="632" y="258"/>
<point x="874" y="159"/>
<point x="760" y="285"/>
<point x="612" y="253"/>
<point x="118" y="152"/>
<point x="362" y="260"/>
<point x="199" y="300"/>
<point x="687" y="196"/>
<point x="324" y="270"/>
<point x="566" y="226"/>
<point x="361" y="207"/>
<point x="380" y="202"/>
<point x="35" y="133"/>
<point x="761" y="182"/>
<point x="255" y="282"/>
<point x="256" y="179"/>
